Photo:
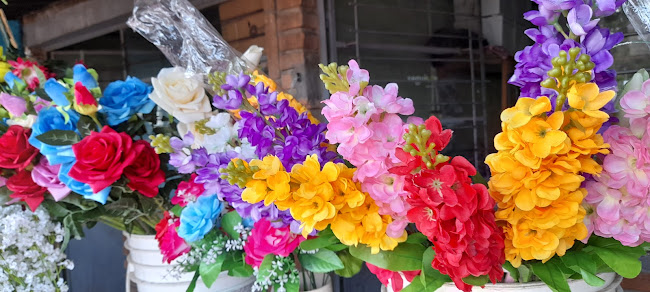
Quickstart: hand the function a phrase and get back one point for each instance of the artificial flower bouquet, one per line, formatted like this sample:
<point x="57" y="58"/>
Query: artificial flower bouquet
<point x="80" y="152"/>
<point x="570" y="187"/>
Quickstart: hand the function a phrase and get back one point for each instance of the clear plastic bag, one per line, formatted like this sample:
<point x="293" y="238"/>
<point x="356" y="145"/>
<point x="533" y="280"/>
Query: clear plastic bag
<point x="186" y="38"/>
<point x="638" y="12"/>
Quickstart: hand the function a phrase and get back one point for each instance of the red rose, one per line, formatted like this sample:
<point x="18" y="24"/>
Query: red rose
<point x="102" y="158"/>
<point x="145" y="174"/>
<point x="16" y="152"/>
<point x="25" y="189"/>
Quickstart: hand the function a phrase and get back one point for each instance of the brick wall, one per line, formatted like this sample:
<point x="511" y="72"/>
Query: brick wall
<point x="288" y="31"/>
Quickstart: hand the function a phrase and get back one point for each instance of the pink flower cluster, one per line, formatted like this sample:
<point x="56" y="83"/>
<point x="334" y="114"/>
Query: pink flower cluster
<point x="618" y="202"/>
<point x="266" y="239"/>
<point x="367" y="126"/>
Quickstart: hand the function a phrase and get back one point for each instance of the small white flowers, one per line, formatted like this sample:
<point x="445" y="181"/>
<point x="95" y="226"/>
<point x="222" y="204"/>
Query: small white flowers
<point x="30" y="254"/>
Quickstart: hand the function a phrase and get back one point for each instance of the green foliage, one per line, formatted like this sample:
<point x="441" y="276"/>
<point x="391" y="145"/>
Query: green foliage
<point x="624" y="260"/>
<point x="210" y="272"/>
<point x="59" y="137"/>
<point x="551" y="274"/>
<point x="86" y="125"/>
<point x="325" y="239"/>
<point x="323" y="261"/>
<point x="351" y="265"/>
<point x="228" y="223"/>
<point x="405" y="257"/>
<point x="431" y="278"/>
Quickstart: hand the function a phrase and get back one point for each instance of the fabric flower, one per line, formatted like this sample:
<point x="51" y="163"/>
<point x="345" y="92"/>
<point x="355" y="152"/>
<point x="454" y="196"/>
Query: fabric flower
<point x="57" y="92"/>
<point x="266" y="239"/>
<point x="24" y="189"/>
<point x="579" y="19"/>
<point x="16" y="106"/>
<point x="199" y="217"/>
<point x="27" y="70"/>
<point x="188" y="191"/>
<point x="46" y="175"/>
<point x="81" y="188"/>
<point x="54" y="119"/>
<point x="102" y="158"/>
<point x="123" y="99"/>
<point x="16" y="152"/>
<point x="171" y="245"/>
<point x="182" y="97"/>
<point x="84" y="101"/>
<point x="144" y="173"/>
<point x="81" y="75"/>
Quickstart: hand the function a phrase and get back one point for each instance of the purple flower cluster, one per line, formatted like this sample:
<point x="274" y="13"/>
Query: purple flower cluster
<point x="207" y="166"/>
<point x="535" y="61"/>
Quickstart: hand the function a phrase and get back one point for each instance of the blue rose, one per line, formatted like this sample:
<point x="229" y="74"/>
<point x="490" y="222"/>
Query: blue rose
<point x="56" y="91"/>
<point x="122" y="99"/>
<point x="81" y="188"/>
<point x="11" y="79"/>
<point x="81" y="74"/>
<point x="52" y="119"/>
<point x="199" y="217"/>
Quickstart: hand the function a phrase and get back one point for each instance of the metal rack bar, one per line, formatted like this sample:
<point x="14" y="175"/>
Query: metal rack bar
<point x="471" y="69"/>
<point x="483" y="88"/>
<point x="415" y="10"/>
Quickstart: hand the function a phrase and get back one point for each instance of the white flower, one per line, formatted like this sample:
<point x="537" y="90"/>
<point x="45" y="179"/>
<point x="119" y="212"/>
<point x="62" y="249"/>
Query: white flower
<point x="181" y="96"/>
<point x="25" y="121"/>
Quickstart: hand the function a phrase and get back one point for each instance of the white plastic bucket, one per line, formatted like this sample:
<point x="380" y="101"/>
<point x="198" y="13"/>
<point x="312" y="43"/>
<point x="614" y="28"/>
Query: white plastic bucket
<point x="148" y="271"/>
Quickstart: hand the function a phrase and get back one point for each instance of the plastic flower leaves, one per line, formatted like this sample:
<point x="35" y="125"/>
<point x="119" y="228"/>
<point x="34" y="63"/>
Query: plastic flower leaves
<point x="316" y="197"/>
<point x="537" y="171"/>
<point x="618" y="202"/>
<point x="454" y="214"/>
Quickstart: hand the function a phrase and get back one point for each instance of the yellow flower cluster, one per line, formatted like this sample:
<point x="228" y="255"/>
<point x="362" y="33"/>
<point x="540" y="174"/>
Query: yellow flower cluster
<point x="299" y="107"/>
<point x="536" y="173"/>
<point x="318" y="197"/>
<point x="4" y="66"/>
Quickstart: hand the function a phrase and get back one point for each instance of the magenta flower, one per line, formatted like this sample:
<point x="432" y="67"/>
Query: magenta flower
<point x="266" y="239"/>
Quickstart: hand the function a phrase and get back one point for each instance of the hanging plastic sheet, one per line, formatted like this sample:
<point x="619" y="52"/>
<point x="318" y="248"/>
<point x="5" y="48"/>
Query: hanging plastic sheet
<point x="186" y="38"/>
<point x="638" y="12"/>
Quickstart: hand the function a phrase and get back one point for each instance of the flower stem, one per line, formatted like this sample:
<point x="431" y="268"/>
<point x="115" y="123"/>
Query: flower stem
<point x="561" y="30"/>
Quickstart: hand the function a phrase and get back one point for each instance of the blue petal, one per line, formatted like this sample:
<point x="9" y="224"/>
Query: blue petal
<point x="99" y="197"/>
<point x="81" y="74"/>
<point x="56" y="91"/>
<point x="10" y="78"/>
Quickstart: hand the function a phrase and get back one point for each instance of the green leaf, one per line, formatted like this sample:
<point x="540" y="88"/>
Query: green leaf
<point x="525" y="273"/>
<point x="229" y="221"/>
<point x="431" y="278"/>
<point x="58" y="137"/>
<point x="323" y="261"/>
<point x="210" y="273"/>
<point x="266" y="267"/>
<point x="514" y="273"/>
<point x="415" y="285"/>
<point x="292" y="286"/>
<point x="405" y="257"/>
<point x="192" y="285"/>
<point x="176" y="210"/>
<point x="42" y="94"/>
<point x="476" y="281"/>
<point x="624" y="260"/>
<point x="55" y="209"/>
<point x="325" y="238"/>
<point x="479" y="179"/>
<point x="243" y="271"/>
<point x="417" y="238"/>
<point x="583" y="264"/>
<point x="351" y="265"/>
<point x="337" y="247"/>
<point x="86" y="125"/>
<point x="552" y="275"/>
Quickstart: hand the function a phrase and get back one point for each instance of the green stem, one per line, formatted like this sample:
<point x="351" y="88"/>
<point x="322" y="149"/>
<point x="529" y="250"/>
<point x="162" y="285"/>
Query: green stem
<point x="561" y="30"/>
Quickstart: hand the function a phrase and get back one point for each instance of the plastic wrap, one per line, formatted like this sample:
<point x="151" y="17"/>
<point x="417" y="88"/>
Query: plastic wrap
<point x="186" y="38"/>
<point x="638" y="12"/>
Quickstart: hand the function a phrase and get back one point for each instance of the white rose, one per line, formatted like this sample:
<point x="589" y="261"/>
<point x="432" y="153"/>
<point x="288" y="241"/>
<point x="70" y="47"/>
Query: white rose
<point x="25" y="121"/>
<point x="182" y="96"/>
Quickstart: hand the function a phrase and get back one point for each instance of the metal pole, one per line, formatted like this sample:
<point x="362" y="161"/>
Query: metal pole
<point x="483" y="85"/>
<point x="125" y="64"/>
<point x="356" y="30"/>
<point x="473" y="88"/>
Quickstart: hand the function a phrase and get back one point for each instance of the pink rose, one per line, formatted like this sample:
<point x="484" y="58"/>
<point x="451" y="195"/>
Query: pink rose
<point x="16" y="106"/>
<point x="266" y="239"/>
<point x="47" y="176"/>
<point x="171" y="245"/>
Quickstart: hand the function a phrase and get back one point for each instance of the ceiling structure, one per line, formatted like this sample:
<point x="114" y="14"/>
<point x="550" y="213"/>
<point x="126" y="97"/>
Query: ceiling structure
<point x="17" y="8"/>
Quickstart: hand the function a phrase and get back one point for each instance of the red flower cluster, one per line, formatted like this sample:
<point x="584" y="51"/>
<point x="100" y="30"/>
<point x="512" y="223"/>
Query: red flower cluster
<point x="17" y="154"/>
<point x="26" y="69"/>
<point x="456" y="215"/>
<point x="171" y="245"/>
<point x="103" y="157"/>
